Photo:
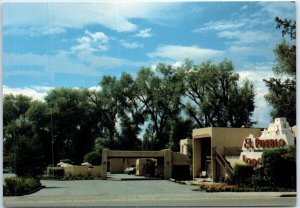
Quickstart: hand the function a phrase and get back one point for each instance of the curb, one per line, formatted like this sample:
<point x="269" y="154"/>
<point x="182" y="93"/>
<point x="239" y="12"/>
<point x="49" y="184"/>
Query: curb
<point x="288" y="195"/>
<point x="27" y="193"/>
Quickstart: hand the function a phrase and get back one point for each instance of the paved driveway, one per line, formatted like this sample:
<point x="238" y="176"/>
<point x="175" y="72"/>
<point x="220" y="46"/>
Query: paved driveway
<point x="138" y="193"/>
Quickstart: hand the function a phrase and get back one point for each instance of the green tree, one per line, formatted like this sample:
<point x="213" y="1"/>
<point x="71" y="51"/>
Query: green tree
<point x="282" y="88"/>
<point x="159" y="94"/>
<point x="14" y="106"/>
<point x="26" y="152"/>
<point x="131" y="113"/>
<point x="214" y="97"/>
<point x="73" y="123"/>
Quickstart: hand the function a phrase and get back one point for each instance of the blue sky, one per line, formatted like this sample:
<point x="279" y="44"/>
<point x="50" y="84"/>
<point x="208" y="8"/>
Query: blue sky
<point x="48" y="45"/>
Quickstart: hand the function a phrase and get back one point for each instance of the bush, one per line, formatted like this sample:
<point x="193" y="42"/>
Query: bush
<point x="217" y="187"/>
<point x="280" y="167"/>
<point x="243" y="173"/>
<point x="149" y="168"/>
<point x="55" y="172"/>
<point x="19" y="185"/>
<point x="94" y="158"/>
<point x="26" y="158"/>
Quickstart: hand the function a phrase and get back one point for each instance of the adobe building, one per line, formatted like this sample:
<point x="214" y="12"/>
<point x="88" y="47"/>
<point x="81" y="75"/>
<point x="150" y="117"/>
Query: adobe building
<point x="169" y="163"/>
<point x="216" y="148"/>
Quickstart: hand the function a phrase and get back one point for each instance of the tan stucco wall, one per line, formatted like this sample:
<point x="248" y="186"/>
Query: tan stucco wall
<point x="165" y="160"/>
<point x="179" y="159"/>
<point x="231" y="137"/>
<point x="134" y="154"/>
<point x="116" y="165"/>
<point x="83" y="171"/>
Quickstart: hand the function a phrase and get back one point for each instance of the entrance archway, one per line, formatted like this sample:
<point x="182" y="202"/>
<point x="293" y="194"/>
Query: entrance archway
<point x="166" y="155"/>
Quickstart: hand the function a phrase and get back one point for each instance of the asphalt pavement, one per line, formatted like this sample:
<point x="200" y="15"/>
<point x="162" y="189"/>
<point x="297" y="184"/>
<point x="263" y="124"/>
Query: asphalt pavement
<point x="83" y="193"/>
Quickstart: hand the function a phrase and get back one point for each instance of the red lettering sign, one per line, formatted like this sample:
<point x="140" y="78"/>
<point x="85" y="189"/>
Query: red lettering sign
<point x="248" y="143"/>
<point x="253" y="162"/>
<point x="264" y="143"/>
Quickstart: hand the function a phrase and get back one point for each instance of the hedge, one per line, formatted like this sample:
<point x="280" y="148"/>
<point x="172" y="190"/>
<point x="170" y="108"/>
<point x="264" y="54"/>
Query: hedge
<point x="14" y="186"/>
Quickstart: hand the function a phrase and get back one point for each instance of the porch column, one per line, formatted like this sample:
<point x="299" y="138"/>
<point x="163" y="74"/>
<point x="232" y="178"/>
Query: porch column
<point x="104" y="164"/>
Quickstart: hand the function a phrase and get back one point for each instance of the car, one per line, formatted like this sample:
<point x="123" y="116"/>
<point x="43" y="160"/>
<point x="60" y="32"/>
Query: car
<point x="130" y="170"/>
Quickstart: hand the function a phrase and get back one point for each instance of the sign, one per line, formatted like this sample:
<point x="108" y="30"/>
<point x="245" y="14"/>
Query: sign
<point x="277" y="135"/>
<point x="263" y="143"/>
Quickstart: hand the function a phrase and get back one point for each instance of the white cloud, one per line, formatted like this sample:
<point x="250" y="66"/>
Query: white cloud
<point x="36" y="92"/>
<point x="50" y="18"/>
<point x="95" y="88"/>
<point x="106" y="62"/>
<point x="219" y="26"/>
<point x="45" y="64"/>
<point x="131" y="45"/>
<point x="86" y="63"/>
<point x="284" y="9"/>
<point x="145" y="33"/>
<point x="244" y="51"/>
<point x="256" y="73"/>
<point x="180" y="53"/>
<point x="244" y="7"/>
<point x="246" y="37"/>
<point x="97" y="41"/>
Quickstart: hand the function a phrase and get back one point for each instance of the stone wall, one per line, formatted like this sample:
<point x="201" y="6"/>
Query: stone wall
<point x="83" y="171"/>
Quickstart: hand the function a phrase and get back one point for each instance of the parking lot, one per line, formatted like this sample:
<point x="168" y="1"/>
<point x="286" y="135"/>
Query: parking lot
<point x="138" y="193"/>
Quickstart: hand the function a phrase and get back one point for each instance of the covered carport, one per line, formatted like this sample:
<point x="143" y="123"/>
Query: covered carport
<point x="165" y="156"/>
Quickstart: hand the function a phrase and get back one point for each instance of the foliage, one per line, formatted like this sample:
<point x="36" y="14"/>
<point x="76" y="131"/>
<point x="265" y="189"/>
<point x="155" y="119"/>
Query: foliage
<point x="282" y="96"/>
<point x="159" y="94"/>
<point x="161" y="105"/>
<point x="280" y="167"/>
<point x="73" y="123"/>
<point x="282" y="89"/>
<point x="19" y="185"/>
<point x="214" y="97"/>
<point x="149" y="168"/>
<point x="94" y="158"/>
<point x="27" y="157"/>
<point x="217" y="187"/>
<point x="243" y="174"/>
<point x="14" y="107"/>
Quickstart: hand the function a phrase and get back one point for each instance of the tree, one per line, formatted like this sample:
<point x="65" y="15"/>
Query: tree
<point x="15" y="106"/>
<point x="159" y="94"/>
<point x="26" y="152"/>
<point x="14" y="109"/>
<point x="131" y="113"/>
<point x="282" y="88"/>
<point x="73" y="124"/>
<point x="214" y="97"/>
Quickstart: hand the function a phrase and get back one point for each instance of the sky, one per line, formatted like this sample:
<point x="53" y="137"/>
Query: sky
<point x="47" y="45"/>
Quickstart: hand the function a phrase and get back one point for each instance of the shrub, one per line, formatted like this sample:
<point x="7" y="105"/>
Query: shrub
<point x="94" y="158"/>
<point x="243" y="173"/>
<point x="27" y="160"/>
<point x="149" y="168"/>
<point x="217" y="187"/>
<point x="20" y="185"/>
<point x="280" y="167"/>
